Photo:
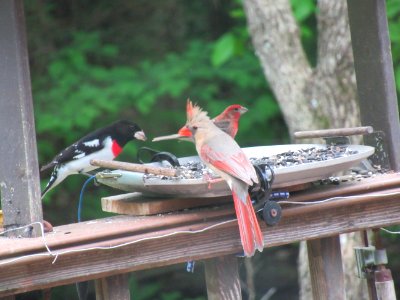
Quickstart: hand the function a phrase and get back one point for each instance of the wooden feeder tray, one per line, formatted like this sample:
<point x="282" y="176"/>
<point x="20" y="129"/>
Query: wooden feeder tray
<point x="159" y="194"/>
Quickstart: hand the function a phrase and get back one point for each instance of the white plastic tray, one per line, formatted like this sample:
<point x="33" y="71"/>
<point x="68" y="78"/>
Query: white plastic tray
<point x="284" y="176"/>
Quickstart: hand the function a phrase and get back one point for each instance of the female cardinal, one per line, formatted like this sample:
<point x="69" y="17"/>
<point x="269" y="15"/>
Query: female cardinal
<point x="222" y="154"/>
<point x="227" y="121"/>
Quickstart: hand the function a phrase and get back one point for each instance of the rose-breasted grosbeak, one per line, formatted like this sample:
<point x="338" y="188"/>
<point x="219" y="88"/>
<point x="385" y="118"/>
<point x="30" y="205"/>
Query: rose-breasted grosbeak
<point x="105" y="143"/>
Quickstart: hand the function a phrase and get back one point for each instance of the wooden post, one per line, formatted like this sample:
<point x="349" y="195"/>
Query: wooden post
<point x="384" y="284"/>
<point x="374" y="72"/>
<point x="19" y="171"/>
<point x="326" y="268"/>
<point x="377" y="92"/>
<point x="222" y="278"/>
<point x="113" y="288"/>
<point x="370" y="279"/>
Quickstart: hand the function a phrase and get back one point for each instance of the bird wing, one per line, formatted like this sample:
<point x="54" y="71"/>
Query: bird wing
<point x="226" y="155"/>
<point x="222" y="124"/>
<point x="85" y="146"/>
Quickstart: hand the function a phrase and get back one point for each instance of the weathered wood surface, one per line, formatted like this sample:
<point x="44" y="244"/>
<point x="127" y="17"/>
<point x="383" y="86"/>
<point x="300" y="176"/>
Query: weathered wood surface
<point x="113" y="288"/>
<point x="19" y="171"/>
<point x="384" y="285"/>
<point x="374" y="71"/>
<point x="222" y="278"/>
<point x="154" y="250"/>
<point x="333" y="132"/>
<point x="326" y="269"/>
<point x="141" y="168"/>
<point x="137" y="205"/>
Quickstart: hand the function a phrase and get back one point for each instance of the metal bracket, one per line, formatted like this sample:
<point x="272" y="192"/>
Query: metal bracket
<point x="107" y="174"/>
<point x="368" y="258"/>
<point x="380" y="159"/>
<point x="337" y="140"/>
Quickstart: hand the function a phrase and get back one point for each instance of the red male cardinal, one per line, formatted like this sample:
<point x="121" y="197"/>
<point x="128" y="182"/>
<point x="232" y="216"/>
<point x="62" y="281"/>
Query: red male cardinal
<point x="228" y="121"/>
<point x="222" y="154"/>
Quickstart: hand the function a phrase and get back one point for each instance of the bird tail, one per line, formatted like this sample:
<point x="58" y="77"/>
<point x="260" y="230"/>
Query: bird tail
<point x="250" y="232"/>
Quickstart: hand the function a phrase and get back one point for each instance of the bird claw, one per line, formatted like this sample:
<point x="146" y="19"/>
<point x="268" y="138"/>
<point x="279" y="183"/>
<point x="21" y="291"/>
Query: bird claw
<point x="210" y="180"/>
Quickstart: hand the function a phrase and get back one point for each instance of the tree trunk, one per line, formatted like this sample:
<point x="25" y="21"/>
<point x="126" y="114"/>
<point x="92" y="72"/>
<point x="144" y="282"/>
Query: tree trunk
<point x="310" y="97"/>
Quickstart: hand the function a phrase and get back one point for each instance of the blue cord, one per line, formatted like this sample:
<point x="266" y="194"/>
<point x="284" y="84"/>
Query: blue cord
<point x="190" y="266"/>
<point x="81" y="196"/>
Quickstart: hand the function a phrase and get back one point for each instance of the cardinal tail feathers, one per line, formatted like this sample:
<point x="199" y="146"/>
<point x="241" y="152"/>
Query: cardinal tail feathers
<point x="250" y="232"/>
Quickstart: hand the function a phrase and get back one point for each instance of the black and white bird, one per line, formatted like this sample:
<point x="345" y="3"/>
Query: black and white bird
<point x="105" y="143"/>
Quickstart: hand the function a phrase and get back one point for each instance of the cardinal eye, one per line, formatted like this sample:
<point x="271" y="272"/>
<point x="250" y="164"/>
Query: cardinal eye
<point x="236" y="109"/>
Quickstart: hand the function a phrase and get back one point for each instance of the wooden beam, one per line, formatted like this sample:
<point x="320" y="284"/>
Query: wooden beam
<point x="160" y="245"/>
<point x="222" y="278"/>
<point x="19" y="171"/>
<point x="374" y="71"/>
<point x="325" y="262"/>
<point x="137" y="205"/>
<point x="114" y="287"/>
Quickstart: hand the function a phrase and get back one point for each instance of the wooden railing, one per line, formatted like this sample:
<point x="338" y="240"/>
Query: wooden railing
<point x="111" y="247"/>
<point x="121" y="244"/>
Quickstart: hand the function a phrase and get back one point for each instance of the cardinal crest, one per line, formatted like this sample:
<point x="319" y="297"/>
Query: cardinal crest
<point x="195" y="113"/>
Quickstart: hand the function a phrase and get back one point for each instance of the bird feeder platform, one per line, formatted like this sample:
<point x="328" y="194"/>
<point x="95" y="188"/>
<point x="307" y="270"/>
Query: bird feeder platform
<point x="159" y="188"/>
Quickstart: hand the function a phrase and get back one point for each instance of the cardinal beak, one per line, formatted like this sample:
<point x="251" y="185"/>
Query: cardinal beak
<point x="140" y="136"/>
<point x="184" y="131"/>
<point x="167" y="137"/>
<point x="243" y="110"/>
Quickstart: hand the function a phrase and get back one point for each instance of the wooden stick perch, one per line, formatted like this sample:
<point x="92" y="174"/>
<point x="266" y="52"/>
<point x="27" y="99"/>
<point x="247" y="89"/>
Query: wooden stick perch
<point x="134" y="167"/>
<point x="333" y="132"/>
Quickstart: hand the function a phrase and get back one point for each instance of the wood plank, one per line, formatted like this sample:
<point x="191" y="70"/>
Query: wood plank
<point x="222" y="278"/>
<point x="160" y="247"/>
<point x="374" y="72"/>
<point x="137" y="205"/>
<point x="157" y="242"/>
<point x="19" y="170"/>
<point x="378" y="182"/>
<point x="65" y="235"/>
<point x="109" y="228"/>
<point x="114" y="287"/>
<point x="326" y="268"/>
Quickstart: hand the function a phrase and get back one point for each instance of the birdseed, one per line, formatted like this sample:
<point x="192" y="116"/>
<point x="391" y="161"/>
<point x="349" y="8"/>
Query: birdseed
<point x="197" y="170"/>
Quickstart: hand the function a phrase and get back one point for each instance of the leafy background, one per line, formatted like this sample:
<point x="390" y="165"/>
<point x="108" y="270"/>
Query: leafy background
<point x="93" y="62"/>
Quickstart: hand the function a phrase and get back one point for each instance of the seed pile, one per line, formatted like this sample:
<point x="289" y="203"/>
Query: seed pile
<point x="303" y="156"/>
<point x="197" y="170"/>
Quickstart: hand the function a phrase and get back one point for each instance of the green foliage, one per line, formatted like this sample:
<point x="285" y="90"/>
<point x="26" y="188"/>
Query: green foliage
<point x="79" y="94"/>
<point x="393" y="13"/>
<point x="153" y="290"/>
<point x="302" y="10"/>
<point x="224" y="49"/>
<point x="142" y="62"/>
<point x="147" y="292"/>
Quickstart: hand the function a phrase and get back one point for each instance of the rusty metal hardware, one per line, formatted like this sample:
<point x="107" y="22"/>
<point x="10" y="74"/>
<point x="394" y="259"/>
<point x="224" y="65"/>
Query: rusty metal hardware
<point x="367" y="258"/>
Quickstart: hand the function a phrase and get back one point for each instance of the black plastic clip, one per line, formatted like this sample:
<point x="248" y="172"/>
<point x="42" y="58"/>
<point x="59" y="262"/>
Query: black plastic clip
<point x="158" y="156"/>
